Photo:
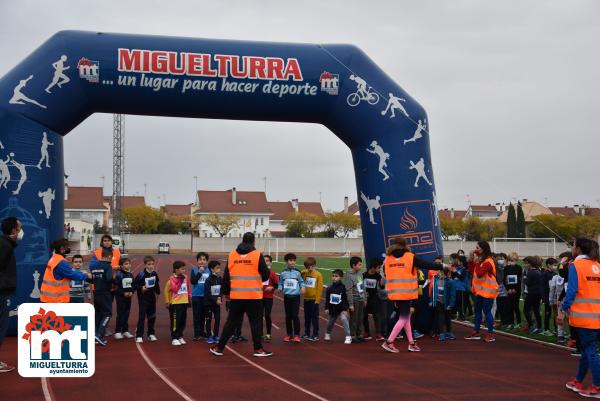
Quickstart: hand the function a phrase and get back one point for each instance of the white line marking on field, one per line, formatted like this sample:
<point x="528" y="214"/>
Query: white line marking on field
<point x="164" y="378"/>
<point x="46" y="389"/>
<point x="274" y="325"/>
<point x="318" y="397"/>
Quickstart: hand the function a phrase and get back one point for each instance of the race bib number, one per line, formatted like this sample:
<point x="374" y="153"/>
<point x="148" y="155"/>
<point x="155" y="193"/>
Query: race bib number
<point x="370" y="283"/>
<point x="126" y="282"/>
<point x="511" y="279"/>
<point x="266" y="283"/>
<point x="311" y="282"/>
<point x="76" y="284"/>
<point x="202" y="278"/>
<point x="360" y="287"/>
<point x="215" y="290"/>
<point x="183" y="289"/>
<point x="150" y="282"/>
<point x="335" y="299"/>
<point x="290" y="283"/>
<point x="560" y="281"/>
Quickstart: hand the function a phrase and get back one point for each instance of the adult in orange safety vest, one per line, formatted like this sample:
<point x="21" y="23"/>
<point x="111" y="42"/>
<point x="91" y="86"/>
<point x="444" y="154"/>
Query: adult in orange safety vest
<point x="56" y="282"/>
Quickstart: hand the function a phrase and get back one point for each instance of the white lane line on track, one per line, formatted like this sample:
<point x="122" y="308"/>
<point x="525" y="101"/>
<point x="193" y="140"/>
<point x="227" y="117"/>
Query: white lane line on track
<point x="276" y="376"/>
<point x="47" y="389"/>
<point x="164" y="378"/>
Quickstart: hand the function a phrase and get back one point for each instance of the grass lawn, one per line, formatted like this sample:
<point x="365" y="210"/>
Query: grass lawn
<point x="324" y="265"/>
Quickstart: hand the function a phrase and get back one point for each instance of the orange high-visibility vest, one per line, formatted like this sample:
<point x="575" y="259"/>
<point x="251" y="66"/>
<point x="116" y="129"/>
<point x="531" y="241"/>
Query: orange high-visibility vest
<point x="116" y="256"/>
<point x="401" y="278"/>
<point x="486" y="286"/>
<point x="585" y="311"/>
<point x="53" y="290"/>
<point x="246" y="282"/>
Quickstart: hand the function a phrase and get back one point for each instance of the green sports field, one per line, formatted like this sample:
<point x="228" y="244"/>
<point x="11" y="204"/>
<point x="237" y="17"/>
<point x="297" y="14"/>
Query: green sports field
<point x="324" y="265"/>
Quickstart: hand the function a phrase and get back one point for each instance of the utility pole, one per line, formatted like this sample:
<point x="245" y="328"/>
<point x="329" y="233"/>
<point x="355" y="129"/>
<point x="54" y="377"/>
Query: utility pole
<point x="102" y="178"/>
<point x="145" y="190"/>
<point x="118" y="171"/>
<point x="265" y="180"/>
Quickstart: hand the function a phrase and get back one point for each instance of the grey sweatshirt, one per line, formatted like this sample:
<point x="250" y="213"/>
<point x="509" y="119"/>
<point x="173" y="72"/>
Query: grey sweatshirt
<point x="355" y="289"/>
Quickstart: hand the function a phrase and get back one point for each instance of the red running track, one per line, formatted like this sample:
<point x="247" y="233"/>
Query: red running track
<point x="509" y="369"/>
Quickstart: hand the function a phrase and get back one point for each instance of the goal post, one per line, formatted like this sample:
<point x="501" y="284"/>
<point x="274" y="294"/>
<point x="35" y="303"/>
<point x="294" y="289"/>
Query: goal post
<point x="530" y="246"/>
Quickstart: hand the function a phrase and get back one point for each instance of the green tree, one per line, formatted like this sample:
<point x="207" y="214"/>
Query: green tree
<point x="142" y="219"/>
<point x="301" y="224"/>
<point x="450" y="227"/>
<point x="339" y="224"/>
<point x="511" y="222"/>
<point x="521" y="227"/>
<point x="100" y="229"/>
<point x="221" y="224"/>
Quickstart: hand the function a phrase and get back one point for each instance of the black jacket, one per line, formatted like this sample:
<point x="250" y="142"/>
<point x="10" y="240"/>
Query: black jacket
<point x="8" y="265"/>
<point x="263" y="269"/>
<point x="337" y="288"/>
<point x="140" y="281"/>
<point x="535" y="282"/>
<point x="509" y="272"/>
<point x="209" y="298"/>
<point x="102" y="277"/>
<point x="124" y="281"/>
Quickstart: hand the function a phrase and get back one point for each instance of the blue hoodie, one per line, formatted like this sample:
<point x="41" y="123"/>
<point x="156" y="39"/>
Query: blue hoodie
<point x="287" y="284"/>
<point x="462" y="278"/>
<point x="197" y="279"/>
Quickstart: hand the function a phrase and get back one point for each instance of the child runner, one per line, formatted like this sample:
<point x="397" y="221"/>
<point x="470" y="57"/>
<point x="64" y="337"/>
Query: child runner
<point x="534" y="282"/>
<point x="373" y="281"/>
<point x="292" y="285"/>
<point x="177" y="299"/>
<point x="557" y="295"/>
<point x="400" y="270"/>
<point x="444" y="300"/>
<point x="198" y="276"/>
<point x="336" y="305"/>
<point x="548" y="274"/>
<point x="80" y="289"/>
<point x="124" y="280"/>
<point x="102" y="280"/>
<point x="313" y="281"/>
<point x="355" y="292"/>
<point x="460" y="276"/>
<point x="513" y="279"/>
<point x="148" y="287"/>
<point x="268" y="290"/>
<point x="212" y="301"/>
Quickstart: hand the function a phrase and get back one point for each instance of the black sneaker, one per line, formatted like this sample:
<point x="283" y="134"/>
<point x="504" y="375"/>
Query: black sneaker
<point x="259" y="353"/>
<point x="101" y="341"/>
<point x="575" y="353"/>
<point x="242" y="339"/>
<point x="215" y="350"/>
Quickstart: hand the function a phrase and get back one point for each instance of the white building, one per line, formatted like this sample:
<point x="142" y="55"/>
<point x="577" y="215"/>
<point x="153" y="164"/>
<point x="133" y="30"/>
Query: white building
<point x="84" y="206"/>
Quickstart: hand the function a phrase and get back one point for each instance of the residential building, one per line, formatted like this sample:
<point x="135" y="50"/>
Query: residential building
<point x="485" y="212"/>
<point x="84" y="207"/>
<point x="180" y="211"/>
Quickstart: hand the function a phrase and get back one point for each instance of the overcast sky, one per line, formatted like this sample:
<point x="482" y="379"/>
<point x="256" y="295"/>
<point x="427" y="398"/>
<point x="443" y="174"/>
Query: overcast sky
<point x="511" y="89"/>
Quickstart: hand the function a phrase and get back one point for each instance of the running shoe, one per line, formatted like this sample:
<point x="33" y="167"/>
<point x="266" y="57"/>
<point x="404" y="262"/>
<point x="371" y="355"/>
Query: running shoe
<point x="182" y="341"/>
<point x="215" y="350"/>
<point x="5" y="367"/>
<point x="313" y="338"/>
<point x="576" y="353"/>
<point x="211" y="340"/>
<point x="347" y="340"/>
<point x="561" y="340"/>
<point x="286" y="339"/>
<point x="262" y="353"/>
<point x="572" y="344"/>
<point x="152" y="337"/>
<point x="379" y="337"/>
<point x="591" y="392"/>
<point x="197" y="338"/>
<point x="139" y="340"/>
<point x="389" y="347"/>
<point x="574" y="385"/>
<point x="450" y="336"/>
<point x="305" y="337"/>
<point x="101" y="341"/>
<point x="175" y="342"/>
<point x="367" y="337"/>
<point x="127" y="335"/>
<point x="489" y="338"/>
<point x="442" y="337"/>
<point x="217" y="339"/>
<point x="296" y="339"/>
<point x="417" y="334"/>
<point x="328" y="337"/>
<point x="473" y="336"/>
<point x="414" y="347"/>
<point x="118" y="336"/>
<point x="242" y="339"/>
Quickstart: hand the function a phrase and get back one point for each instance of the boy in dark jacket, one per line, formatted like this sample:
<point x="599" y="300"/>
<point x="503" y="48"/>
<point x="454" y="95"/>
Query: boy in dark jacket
<point x="147" y="286"/>
<point x="534" y="282"/>
<point x="103" y="279"/>
<point x="123" y="294"/>
<point x="373" y="282"/>
<point x="513" y="281"/>
<point x="213" y="300"/>
<point x="336" y="305"/>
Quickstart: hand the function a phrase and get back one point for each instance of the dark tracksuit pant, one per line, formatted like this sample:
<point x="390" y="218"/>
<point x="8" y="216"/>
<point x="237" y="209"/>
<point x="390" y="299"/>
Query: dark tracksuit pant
<point x="123" y="310"/>
<point x="292" y="309"/>
<point x="147" y="310"/>
<point x="311" y="318"/>
<point x="212" y="312"/>
<point x="237" y="331"/>
<point x="199" y="316"/>
<point x="178" y="314"/>
<point x="374" y="307"/>
<point x="267" y="307"/>
<point x="103" y="308"/>
<point x="514" y="308"/>
<point x="237" y="308"/>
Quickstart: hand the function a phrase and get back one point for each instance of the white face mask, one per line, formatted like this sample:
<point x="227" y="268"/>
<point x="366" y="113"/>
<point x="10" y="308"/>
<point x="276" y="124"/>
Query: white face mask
<point x="20" y="235"/>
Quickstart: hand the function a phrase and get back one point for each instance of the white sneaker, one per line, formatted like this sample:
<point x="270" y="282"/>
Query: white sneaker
<point x="348" y="340"/>
<point x="118" y="336"/>
<point x="327" y="337"/>
<point x="152" y="337"/>
<point x="127" y="335"/>
<point x="139" y="340"/>
<point x="175" y="342"/>
<point x="182" y="341"/>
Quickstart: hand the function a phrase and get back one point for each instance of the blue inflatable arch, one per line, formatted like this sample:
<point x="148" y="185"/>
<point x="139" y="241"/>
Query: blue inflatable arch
<point x="75" y="74"/>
